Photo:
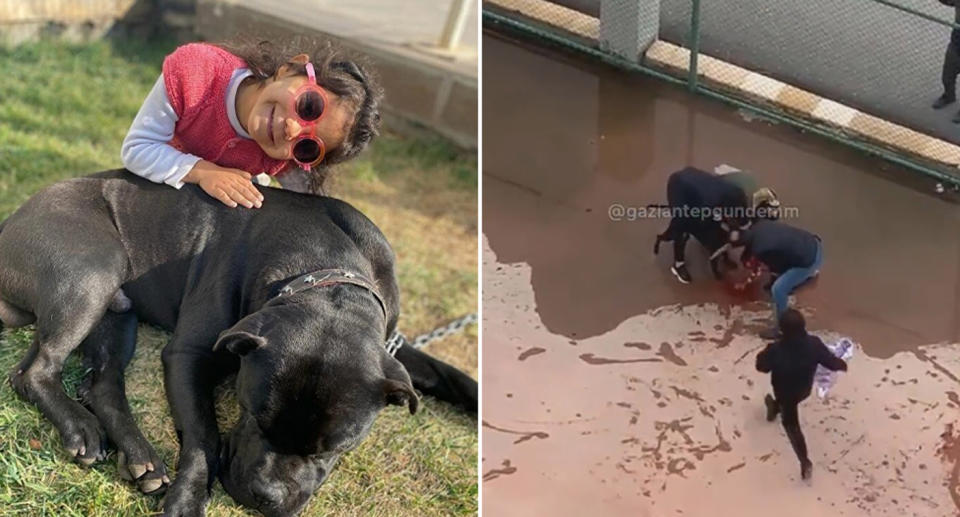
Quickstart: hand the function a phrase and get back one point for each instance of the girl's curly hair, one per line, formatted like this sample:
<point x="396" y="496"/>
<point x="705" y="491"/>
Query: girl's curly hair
<point x="347" y="76"/>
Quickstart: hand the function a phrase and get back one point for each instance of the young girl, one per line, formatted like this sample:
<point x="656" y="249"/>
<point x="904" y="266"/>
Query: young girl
<point x="219" y="115"/>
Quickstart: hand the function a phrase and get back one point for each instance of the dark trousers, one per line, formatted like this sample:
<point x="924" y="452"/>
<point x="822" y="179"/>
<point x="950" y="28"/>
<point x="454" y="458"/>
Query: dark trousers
<point x="708" y="232"/>
<point x="791" y="424"/>
<point x="951" y="65"/>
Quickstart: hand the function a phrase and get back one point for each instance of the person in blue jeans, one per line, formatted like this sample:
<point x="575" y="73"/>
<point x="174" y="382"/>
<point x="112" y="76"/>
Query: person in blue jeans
<point x="791" y="254"/>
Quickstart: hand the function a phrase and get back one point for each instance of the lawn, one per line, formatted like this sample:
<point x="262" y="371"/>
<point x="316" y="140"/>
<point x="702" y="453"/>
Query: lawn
<point x="64" y="110"/>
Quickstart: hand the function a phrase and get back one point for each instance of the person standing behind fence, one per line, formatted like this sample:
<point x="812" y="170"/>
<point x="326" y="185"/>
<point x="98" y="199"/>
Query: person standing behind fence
<point x="951" y="64"/>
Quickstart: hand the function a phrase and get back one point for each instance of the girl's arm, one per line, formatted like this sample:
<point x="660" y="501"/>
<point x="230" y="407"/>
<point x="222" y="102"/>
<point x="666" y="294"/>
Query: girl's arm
<point x="146" y="151"/>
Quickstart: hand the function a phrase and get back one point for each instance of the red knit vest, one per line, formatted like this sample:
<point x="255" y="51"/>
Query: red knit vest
<point x="197" y="76"/>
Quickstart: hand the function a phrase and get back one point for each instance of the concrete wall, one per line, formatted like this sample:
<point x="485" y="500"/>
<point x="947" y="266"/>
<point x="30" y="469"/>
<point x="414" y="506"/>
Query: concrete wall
<point x="74" y="20"/>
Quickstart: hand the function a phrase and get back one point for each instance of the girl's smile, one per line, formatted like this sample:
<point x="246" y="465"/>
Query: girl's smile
<point x="264" y="110"/>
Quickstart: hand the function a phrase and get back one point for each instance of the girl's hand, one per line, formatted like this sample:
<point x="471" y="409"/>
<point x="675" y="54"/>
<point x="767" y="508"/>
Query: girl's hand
<point x="231" y="186"/>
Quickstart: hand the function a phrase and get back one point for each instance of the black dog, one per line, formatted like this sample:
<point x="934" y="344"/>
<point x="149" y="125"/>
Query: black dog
<point x="702" y="205"/>
<point x="233" y="286"/>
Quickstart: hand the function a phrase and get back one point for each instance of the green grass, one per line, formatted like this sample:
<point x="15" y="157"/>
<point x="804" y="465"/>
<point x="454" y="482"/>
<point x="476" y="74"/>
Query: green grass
<point x="64" y="110"/>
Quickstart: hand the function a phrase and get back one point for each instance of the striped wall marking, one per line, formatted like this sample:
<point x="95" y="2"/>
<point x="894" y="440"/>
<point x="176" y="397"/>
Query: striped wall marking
<point x="797" y="100"/>
<point x="762" y="86"/>
<point x="720" y="72"/>
<point x="555" y="15"/>
<point x="834" y="112"/>
<point x="889" y="133"/>
<point x="672" y="56"/>
<point x="941" y="151"/>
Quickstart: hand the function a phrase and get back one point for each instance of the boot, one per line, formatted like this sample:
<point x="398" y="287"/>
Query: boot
<point x="772" y="407"/>
<point x="943" y="100"/>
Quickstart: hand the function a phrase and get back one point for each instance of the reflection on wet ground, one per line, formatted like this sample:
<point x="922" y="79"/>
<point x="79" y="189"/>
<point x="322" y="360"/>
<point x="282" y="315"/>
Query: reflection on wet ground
<point x="563" y="141"/>
<point x="611" y="388"/>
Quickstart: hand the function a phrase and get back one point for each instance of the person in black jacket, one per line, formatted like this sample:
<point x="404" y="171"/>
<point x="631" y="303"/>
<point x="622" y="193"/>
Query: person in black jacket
<point x="951" y="64"/>
<point x="792" y="362"/>
<point x="791" y="254"/>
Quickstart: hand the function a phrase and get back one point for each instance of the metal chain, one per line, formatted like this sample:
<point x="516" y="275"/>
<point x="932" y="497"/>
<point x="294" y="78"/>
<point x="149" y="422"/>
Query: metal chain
<point x="398" y="340"/>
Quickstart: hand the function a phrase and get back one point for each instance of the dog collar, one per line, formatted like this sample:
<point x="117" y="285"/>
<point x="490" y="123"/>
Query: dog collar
<point x="328" y="277"/>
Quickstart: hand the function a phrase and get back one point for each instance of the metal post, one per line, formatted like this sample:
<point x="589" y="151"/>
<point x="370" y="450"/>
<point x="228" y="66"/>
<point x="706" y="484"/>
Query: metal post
<point x="456" y="21"/>
<point x="628" y="27"/>
<point x="694" y="44"/>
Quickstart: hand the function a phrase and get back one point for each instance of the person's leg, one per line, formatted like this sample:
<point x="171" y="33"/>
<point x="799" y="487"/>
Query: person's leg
<point x="791" y="424"/>
<point x="786" y="283"/>
<point x="780" y="292"/>
<point x="679" y="267"/>
<point x="668" y="235"/>
<point x="951" y="67"/>
<point x="773" y="409"/>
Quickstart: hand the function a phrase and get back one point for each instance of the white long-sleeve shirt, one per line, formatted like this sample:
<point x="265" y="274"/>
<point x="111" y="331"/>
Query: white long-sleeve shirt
<point x="146" y="150"/>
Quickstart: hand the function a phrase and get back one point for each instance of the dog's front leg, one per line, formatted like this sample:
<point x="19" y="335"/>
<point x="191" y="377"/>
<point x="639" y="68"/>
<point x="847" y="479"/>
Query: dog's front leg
<point x="189" y="381"/>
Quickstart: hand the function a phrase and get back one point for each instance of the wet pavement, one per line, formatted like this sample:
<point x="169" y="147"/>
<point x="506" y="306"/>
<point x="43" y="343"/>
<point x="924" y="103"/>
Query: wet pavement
<point x="567" y="140"/>
<point x="610" y="387"/>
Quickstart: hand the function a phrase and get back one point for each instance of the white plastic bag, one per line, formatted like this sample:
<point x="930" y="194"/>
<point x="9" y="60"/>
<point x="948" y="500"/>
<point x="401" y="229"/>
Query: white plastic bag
<point x="824" y="378"/>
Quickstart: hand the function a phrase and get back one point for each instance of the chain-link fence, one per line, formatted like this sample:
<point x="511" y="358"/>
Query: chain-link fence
<point x="863" y="72"/>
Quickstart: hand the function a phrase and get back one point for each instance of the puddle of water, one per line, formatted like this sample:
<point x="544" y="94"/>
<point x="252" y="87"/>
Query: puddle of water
<point x="564" y="140"/>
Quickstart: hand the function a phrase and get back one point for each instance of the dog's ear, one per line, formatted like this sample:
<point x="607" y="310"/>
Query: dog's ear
<point x="400" y="394"/>
<point x="243" y="337"/>
<point x="397" y="388"/>
<point x="238" y="342"/>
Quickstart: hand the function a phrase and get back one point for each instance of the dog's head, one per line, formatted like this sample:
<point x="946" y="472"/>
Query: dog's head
<point x="313" y="377"/>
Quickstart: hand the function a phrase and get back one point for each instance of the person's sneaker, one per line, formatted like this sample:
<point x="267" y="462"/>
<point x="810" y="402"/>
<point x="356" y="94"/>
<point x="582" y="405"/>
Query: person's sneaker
<point x="956" y="118"/>
<point x="770" y="333"/>
<point x="942" y="101"/>
<point x="806" y="469"/>
<point x="772" y="407"/>
<point x="680" y="271"/>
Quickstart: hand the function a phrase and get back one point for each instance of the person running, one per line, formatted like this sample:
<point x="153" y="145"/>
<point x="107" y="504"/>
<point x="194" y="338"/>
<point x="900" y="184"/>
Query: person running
<point x="792" y="363"/>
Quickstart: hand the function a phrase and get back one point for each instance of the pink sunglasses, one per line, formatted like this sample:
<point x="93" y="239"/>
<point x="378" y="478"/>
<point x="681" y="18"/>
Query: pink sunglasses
<point x="309" y="103"/>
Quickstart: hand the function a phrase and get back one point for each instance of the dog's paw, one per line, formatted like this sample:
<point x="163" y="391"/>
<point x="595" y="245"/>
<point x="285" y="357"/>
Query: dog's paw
<point x="120" y="303"/>
<point x="142" y="466"/>
<point x="84" y="438"/>
<point x="185" y="500"/>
